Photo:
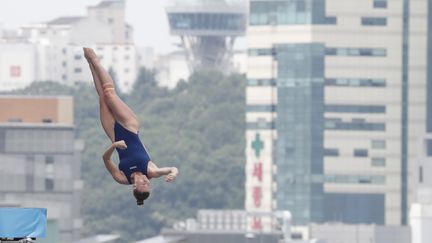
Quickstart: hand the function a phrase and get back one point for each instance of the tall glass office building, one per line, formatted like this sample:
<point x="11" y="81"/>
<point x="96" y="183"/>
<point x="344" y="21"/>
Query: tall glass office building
<point x="336" y="101"/>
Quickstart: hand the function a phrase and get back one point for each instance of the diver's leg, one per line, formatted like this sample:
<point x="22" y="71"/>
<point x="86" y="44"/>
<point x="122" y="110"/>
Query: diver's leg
<point x="121" y="112"/>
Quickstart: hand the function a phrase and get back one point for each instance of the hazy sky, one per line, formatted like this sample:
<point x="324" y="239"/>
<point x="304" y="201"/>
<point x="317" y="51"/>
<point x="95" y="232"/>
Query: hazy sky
<point x="146" y="16"/>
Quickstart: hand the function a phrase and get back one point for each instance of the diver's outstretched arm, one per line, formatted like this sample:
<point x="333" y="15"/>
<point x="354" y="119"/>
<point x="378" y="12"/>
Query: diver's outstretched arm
<point x="156" y="172"/>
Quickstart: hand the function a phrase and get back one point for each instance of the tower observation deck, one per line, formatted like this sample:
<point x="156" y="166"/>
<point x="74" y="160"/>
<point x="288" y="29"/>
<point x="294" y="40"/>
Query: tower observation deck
<point x="208" y="29"/>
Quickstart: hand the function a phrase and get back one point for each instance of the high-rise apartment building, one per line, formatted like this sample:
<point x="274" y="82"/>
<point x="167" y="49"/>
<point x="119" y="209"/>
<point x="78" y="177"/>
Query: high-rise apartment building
<point x="336" y="100"/>
<point x="52" y="51"/>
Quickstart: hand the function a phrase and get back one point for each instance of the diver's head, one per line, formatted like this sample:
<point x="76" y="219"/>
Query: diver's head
<point x="141" y="188"/>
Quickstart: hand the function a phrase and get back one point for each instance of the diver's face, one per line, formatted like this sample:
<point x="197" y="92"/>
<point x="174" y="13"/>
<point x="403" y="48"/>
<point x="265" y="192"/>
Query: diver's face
<point x="141" y="183"/>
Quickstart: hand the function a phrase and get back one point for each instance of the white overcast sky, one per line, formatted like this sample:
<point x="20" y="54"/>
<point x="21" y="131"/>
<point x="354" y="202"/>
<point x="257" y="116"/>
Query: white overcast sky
<point x="146" y="16"/>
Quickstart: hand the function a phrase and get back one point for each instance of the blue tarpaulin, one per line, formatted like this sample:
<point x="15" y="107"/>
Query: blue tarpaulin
<point x="22" y="222"/>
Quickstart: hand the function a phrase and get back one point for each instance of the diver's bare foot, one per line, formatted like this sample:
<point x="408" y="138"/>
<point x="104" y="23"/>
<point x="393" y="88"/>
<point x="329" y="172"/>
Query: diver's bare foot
<point x="89" y="54"/>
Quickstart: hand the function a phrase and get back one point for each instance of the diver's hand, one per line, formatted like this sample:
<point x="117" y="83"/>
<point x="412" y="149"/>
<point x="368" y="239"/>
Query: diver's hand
<point x="172" y="175"/>
<point x="120" y="144"/>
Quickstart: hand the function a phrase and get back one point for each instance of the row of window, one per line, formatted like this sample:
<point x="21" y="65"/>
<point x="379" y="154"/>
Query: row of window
<point x="327" y="108"/>
<point x="345" y="179"/>
<point x="79" y="70"/>
<point x="301" y="18"/>
<point x="377" y="52"/>
<point x="356" y="125"/>
<point x="355" y="108"/>
<point x="100" y="48"/>
<point x="346" y="82"/>
<point x="329" y="51"/>
<point x="79" y="57"/>
<point x="260" y="125"/>
<point x="342" y="82"/>
<point x="207" y="21"/>
<point x="332" y="152"/>
<point x="288" y="13"/>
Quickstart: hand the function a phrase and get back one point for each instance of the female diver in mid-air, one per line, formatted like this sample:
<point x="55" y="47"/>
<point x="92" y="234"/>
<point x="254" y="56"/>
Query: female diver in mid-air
<point x="121" y="126"/>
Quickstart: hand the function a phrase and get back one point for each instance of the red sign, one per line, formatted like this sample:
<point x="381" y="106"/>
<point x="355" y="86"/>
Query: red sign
<point x="256" y="224"/>
<point x="15" y="71"/>
<point x="258" y="171"/>
<point x="257" y="196"/>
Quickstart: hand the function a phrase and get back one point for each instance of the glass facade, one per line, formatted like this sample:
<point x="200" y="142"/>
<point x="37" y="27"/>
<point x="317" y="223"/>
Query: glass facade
<point x="289" y="12"/>
<point x="299" y="125"/>
<point x="369" y="208"/>
<point x="207" y="21"/>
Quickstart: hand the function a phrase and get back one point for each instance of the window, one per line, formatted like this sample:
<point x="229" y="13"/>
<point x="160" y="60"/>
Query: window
<point x="49" y="184"/>
<point x="127" y="57"/>
<point x="369" y="21"/>
<point x="262" y="124"/>
<point x="260" y="52"/>
<point x="378" y="162"/>
<point x="77" y="70"/>
<point x="378" y="144"/>
<point x="261" y="82"/>
<point x="260" y="108"/>
<point x="78" y="57"/>
<point x="360" y="153"/>
<point x="30" y="158"/>
<point x="421" y="174"/>
<point x="49" y="173"/>
<point x="47" y="120"/>
<point x="331" y="152"/>
<point x="380" y="4"/>
<point x="64" y="64"/>
<point x="49" y="160"/>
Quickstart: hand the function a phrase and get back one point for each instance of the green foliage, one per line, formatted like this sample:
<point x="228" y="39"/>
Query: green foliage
<point x="198" y="127"/>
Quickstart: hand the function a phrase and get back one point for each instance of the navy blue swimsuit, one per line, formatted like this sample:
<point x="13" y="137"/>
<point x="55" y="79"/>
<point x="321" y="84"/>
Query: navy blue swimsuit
<point x="135" y="157"/>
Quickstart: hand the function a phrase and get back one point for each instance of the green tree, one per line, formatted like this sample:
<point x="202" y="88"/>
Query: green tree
<point x="198" y="126"/>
